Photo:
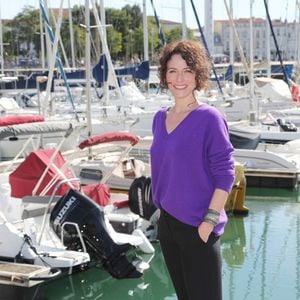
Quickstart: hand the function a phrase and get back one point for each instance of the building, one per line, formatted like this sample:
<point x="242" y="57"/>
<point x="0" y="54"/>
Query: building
<point x="285" y="33"/>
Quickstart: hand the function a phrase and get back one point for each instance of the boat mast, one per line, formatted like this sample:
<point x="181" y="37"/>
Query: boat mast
<point x="111" y="71"/>
<point x="1" y="45"/>
<point x="297" y="52"/>
<point x="71" y="36"/>
<point x="268" y="46"/>
<point x="54" y="57"/>
<point x="231" y="45"/>
<point x="207" y="49"/>
<point x="208" y="25"/>
<point x="183" y="14"/>
<point x="52" y="53"/>
<point x="103" y="21"/>
<point x="145" y="27"/>
<point x="146" y="38"/>
<point x="62" y="48"/>
<point x="251" y="78"/>
<point x="42" y="39"/>
<point x="88" y="68"/>
<point x="237" y="41"/>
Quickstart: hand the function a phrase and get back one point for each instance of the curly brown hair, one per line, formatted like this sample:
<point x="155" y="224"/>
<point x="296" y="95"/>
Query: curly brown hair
<point x="195" y="56"/>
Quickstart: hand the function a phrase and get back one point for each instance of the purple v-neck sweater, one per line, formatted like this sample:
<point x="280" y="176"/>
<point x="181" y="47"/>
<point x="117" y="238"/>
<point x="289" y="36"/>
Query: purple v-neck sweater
<point x="189" y="163"/>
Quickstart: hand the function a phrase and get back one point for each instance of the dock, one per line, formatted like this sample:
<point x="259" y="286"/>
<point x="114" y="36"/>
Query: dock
<point x="269" y="178"/>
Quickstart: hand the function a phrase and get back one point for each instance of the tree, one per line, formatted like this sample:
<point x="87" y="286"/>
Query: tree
<point x="134" y="14"/>
<point x="176" y="34"/>
<point x="23" y="30"/>
<point x="124" y="33"/>
<point x="114" y="42"/>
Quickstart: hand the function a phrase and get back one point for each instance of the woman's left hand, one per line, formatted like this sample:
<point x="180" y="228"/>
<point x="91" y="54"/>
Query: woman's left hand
<point x="204" y="231"/>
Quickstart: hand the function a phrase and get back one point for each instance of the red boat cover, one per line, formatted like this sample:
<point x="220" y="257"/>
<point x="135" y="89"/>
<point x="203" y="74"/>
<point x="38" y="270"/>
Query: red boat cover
<point x="99" y="192"/>
<point x="25" y="177"/>
<point x="108" y="138"/>
<point x="13" y="120"/>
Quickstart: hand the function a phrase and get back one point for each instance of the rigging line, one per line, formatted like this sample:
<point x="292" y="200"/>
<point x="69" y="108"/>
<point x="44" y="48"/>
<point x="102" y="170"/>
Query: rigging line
<point x="206" y="47"/>
<point x="60" y="40"/>
<point x="58" y="60"/>
<point x="107" y="53"/>
<point x="237" y="40"/>
<point x="276" y="45"/>
<point x="160" y="31"/>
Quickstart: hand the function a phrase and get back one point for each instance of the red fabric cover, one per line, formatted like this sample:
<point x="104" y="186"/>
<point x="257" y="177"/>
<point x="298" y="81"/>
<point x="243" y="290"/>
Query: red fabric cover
<point x="25" y="177"/>
<point x="295" y="93"/>
<point x="99" y="192"/>
<point x="121" y="203"/>
<point x="109" y="137"/>
<point x="13" y="120"/>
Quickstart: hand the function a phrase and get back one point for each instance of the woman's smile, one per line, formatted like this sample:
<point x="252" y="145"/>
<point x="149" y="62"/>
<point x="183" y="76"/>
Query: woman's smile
<point x="180" y="77"/>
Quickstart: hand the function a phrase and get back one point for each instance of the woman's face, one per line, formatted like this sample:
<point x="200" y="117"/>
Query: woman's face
<point x="181" y="79"/>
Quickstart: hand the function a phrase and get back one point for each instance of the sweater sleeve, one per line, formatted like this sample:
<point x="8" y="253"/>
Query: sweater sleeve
<point x="156" y="128"/>
<point x="220" y="154"/>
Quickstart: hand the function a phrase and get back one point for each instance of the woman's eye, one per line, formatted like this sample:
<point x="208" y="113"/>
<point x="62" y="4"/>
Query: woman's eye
<point x="171" y="71"/>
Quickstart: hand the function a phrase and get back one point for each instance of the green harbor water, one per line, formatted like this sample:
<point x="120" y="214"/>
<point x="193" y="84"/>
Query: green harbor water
<point x="261" y="259"/>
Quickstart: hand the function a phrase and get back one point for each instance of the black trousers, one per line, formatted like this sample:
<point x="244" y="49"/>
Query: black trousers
<point x="194" y="266"/>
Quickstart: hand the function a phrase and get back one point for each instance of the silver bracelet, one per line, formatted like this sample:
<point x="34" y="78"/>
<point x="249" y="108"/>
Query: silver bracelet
<point x="206" y="220"/>
<point x="212" y="217"/>
<point x="213" y="211"/>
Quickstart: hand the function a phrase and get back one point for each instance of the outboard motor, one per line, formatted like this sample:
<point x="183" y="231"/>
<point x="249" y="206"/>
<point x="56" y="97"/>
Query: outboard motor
<point x="141" y="203"/>
<point x="286" y="126"/>
<point x="74" y="207"/>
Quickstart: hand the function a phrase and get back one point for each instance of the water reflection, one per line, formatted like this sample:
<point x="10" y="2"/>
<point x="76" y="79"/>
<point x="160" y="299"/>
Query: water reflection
<point x="234" y="242"/>
<point x="98" y="284"/>
<point x="261" y="252"/>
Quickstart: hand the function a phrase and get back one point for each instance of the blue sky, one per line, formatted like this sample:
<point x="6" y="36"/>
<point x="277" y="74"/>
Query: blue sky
<point x="170" y="10"/>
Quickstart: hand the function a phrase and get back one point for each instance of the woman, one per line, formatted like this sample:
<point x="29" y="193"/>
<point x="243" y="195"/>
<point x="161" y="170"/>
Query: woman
<point x="192" y="175"/>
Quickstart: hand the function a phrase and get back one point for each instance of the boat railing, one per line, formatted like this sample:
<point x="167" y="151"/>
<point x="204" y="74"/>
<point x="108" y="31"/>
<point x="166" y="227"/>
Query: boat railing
<point x="47" y="210"/>
<point x="78" y="233"/>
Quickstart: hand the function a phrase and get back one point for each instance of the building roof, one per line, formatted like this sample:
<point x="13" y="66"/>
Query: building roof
<point x="168" y="22"/>
<point x="65" y="12"/>
<point x="242" y="20"/>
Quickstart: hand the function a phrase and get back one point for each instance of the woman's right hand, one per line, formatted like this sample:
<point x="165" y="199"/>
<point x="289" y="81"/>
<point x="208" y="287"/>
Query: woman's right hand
<point x="204" y="231"/>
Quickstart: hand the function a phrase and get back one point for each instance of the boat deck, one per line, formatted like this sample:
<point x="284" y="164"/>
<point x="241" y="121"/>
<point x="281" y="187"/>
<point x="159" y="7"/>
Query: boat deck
<point x="16" y="274"/>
